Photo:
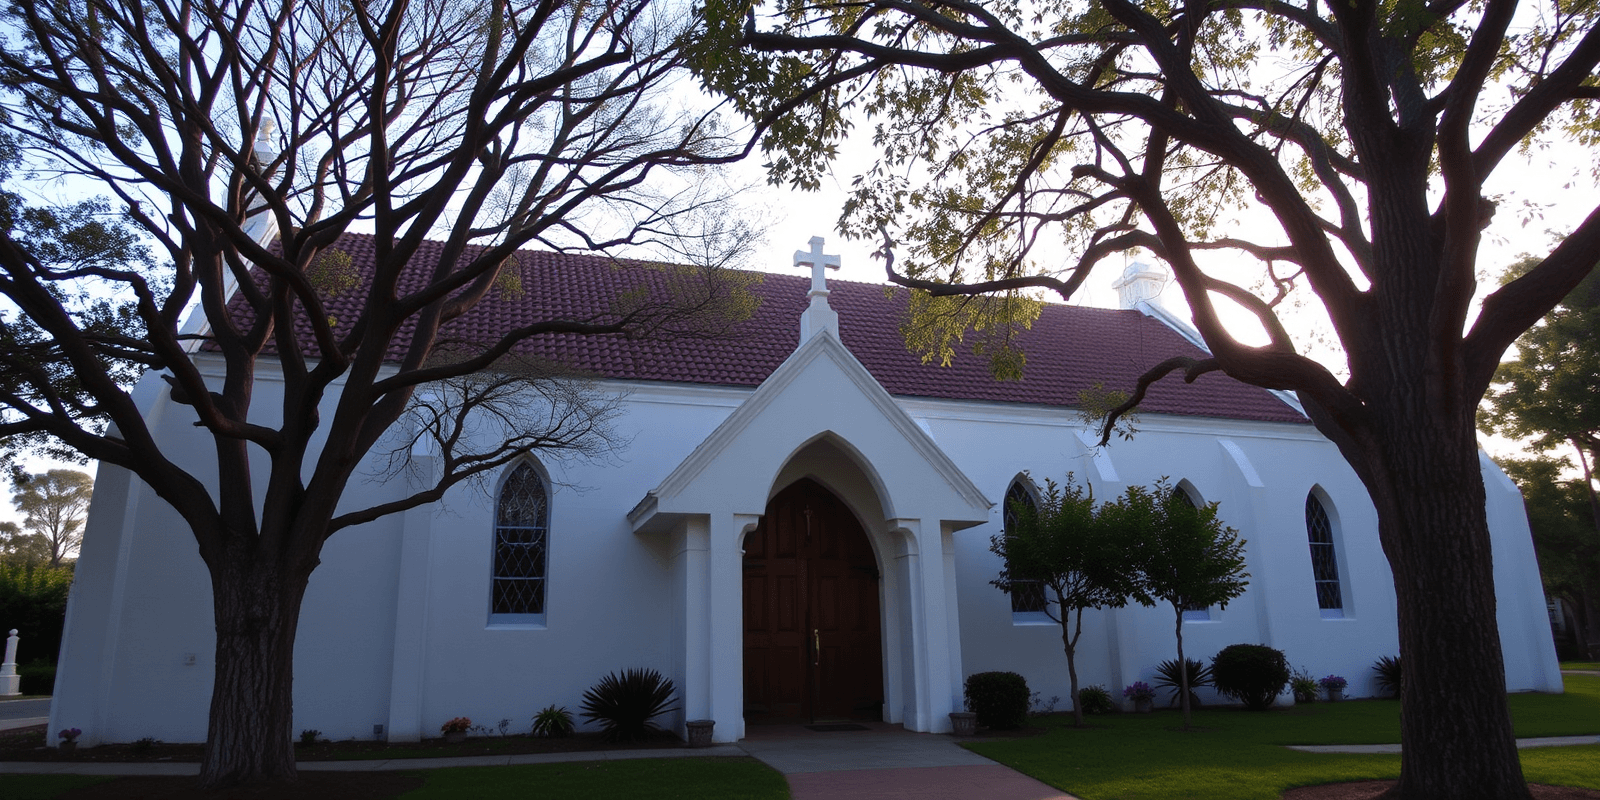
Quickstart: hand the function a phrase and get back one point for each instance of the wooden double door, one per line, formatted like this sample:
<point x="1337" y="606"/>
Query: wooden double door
<point x="812" y="633"/>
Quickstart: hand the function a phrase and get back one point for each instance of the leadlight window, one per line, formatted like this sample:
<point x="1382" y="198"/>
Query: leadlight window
<point x="1324" y="561"/>
<point x="1027" y="597"/>
<point x="1190" y="610"/>
<point x="521" y="546"/>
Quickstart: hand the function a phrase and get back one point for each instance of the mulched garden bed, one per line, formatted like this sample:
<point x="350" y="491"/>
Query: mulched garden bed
<point x="310" y="786"/>
<point x="27" y="744"/>
<point x="1372" y="790"/>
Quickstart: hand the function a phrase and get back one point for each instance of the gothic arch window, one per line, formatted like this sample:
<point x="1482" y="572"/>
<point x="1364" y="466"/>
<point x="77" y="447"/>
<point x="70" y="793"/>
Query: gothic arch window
<point x="1324" y="557"/>
<point x="521" y="546"/>
<point x="1027" y="597"/>
<point x="1191" y="611"/>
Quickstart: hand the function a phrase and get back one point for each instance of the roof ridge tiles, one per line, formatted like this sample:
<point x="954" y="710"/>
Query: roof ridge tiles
<point x="1060" y="362"/>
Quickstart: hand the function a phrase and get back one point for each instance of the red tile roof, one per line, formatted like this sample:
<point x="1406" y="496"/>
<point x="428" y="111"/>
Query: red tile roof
<point x="1069" y="349"/>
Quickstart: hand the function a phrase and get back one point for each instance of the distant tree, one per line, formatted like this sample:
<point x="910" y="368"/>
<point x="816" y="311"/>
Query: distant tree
<point x="55" y="504"/>
<point x="1062" y="547"/>
<point x="1547" y="396"/>
<point x="1186" y="557"/>
<point x="488" y="127"/>
<point x="1561" y="519"/>
<point x="33" y="600"/>
<point x="22" y="549"/>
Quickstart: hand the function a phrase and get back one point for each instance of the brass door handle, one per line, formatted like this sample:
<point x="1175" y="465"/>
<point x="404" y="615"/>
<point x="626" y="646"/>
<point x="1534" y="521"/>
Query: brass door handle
<point x="816" y="647"/>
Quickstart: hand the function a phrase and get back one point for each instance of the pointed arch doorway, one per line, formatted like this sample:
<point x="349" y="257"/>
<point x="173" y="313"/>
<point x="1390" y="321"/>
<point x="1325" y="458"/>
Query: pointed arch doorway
<point x="812" y="634"/>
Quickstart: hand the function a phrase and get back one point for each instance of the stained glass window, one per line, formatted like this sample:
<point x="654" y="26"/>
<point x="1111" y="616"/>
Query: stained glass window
<point x="1190" y="610"/>
<point x="1026" y="596"/>
<point x="521" y="543"/>
<point x="1324" y="562"/>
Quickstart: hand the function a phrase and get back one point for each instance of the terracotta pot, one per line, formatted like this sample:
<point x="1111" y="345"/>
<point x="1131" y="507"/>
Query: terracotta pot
<point x="1144" y="705"/>
<point x="455" y="737"/>
<point x="700" y="732"/>
<point x="68" y="747"/>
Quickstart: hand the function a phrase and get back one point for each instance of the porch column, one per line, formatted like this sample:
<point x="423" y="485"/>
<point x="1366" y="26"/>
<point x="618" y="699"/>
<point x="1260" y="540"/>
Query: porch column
<point x="935" y="636"/>
<point x="725" y="616"/>
<point x="691" y="562"/>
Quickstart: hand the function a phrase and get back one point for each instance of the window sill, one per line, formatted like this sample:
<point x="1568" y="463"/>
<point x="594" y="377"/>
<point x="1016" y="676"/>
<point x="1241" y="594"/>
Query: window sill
<point x="1023" y="619"/>
<point x="516" y="625"/>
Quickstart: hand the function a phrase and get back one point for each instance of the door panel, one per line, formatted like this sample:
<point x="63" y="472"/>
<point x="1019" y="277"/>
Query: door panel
<point x="812" y="628"/>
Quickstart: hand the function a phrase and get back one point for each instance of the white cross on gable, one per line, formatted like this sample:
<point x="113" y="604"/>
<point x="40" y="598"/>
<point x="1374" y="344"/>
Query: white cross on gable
<point x="818" y="264"/>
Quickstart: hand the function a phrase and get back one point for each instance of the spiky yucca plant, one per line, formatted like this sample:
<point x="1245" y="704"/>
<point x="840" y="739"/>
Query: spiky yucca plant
<point x="625" y="705"/>
<point x="1388" y="669"/>
<point x="553" y="722"/>
<point x="1168" y="677"/>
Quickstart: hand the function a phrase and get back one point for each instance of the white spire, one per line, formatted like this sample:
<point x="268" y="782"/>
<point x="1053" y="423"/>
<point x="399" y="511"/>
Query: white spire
<point x="1140" y="282"/>
<point x="818" y="316"/>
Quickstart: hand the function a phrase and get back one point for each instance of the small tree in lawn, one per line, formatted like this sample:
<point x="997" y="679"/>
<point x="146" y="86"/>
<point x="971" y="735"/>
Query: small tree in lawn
<point x="1187" y="556"/>
<point x="1062" y="548"/>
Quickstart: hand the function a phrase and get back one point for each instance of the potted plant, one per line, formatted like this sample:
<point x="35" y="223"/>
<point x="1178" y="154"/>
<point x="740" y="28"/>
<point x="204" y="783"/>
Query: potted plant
<point x="69" y="739"/>
<point x="1142" y="695"/>
<point x="1335" y="686"/>
<point x="456" y="730"/>
<point x="1304" y="686"/>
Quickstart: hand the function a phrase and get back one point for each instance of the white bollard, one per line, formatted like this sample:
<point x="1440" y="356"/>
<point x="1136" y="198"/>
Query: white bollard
<point x="10" y="681"/>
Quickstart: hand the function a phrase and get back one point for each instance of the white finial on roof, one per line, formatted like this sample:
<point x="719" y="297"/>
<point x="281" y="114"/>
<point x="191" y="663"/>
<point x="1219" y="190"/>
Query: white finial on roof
<point x="818" y="316"/>
<point x="261" y="225"/>
<point x="1140" y="282"/>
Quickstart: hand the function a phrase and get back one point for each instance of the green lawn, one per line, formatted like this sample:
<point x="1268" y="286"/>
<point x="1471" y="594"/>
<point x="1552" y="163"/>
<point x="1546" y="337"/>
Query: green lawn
<point x="667" y="778"/>
<point x="1593" y="666"/>
<point x="1239" y="755"/>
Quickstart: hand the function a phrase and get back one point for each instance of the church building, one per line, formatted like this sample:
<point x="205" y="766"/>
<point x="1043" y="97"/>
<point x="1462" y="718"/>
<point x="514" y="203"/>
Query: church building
<point x="795" y="527"/>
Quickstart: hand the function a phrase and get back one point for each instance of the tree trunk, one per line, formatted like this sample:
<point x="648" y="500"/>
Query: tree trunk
<point x="1455" y="726"/>
<point x="1070" y="644"/>
<point x="257" y="608"/>
<point x="1183" y="668"/>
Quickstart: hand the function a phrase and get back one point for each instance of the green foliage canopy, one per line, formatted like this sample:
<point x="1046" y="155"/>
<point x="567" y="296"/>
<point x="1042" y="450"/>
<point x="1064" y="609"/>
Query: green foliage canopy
<point x="1547" y="393"/>
<point x="1065" y="546"/>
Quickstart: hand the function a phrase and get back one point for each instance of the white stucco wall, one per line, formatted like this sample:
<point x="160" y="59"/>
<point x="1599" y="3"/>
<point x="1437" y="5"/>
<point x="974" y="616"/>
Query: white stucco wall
<point x="396" y="631"/>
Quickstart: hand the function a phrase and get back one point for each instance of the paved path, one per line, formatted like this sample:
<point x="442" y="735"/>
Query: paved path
<point x="1543" y="741"/>
<point x="24" y="713"/>
<point x="886" y="763"/>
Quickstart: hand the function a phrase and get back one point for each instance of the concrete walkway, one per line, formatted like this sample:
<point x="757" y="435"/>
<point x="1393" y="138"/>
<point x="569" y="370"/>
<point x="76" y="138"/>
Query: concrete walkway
<point x="24" y="713"/>
<point x="885" y="762"/>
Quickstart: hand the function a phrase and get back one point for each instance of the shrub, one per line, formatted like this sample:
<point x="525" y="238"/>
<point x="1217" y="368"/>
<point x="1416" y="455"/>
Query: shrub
<point x="309" y="736"/>
<point x="1388" y="669"/>
<point x="553" y="722"/>
<point x="1096" y="700"/>
<point x="1167" y="677"/>
<point x="457" y="725"/>
<point x="626" y="705"/>
<point x="36" y="677"/>
<point x="1000" y="699"/>
<point x="33" y="599"/>
<point x="1253" y="674"/>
